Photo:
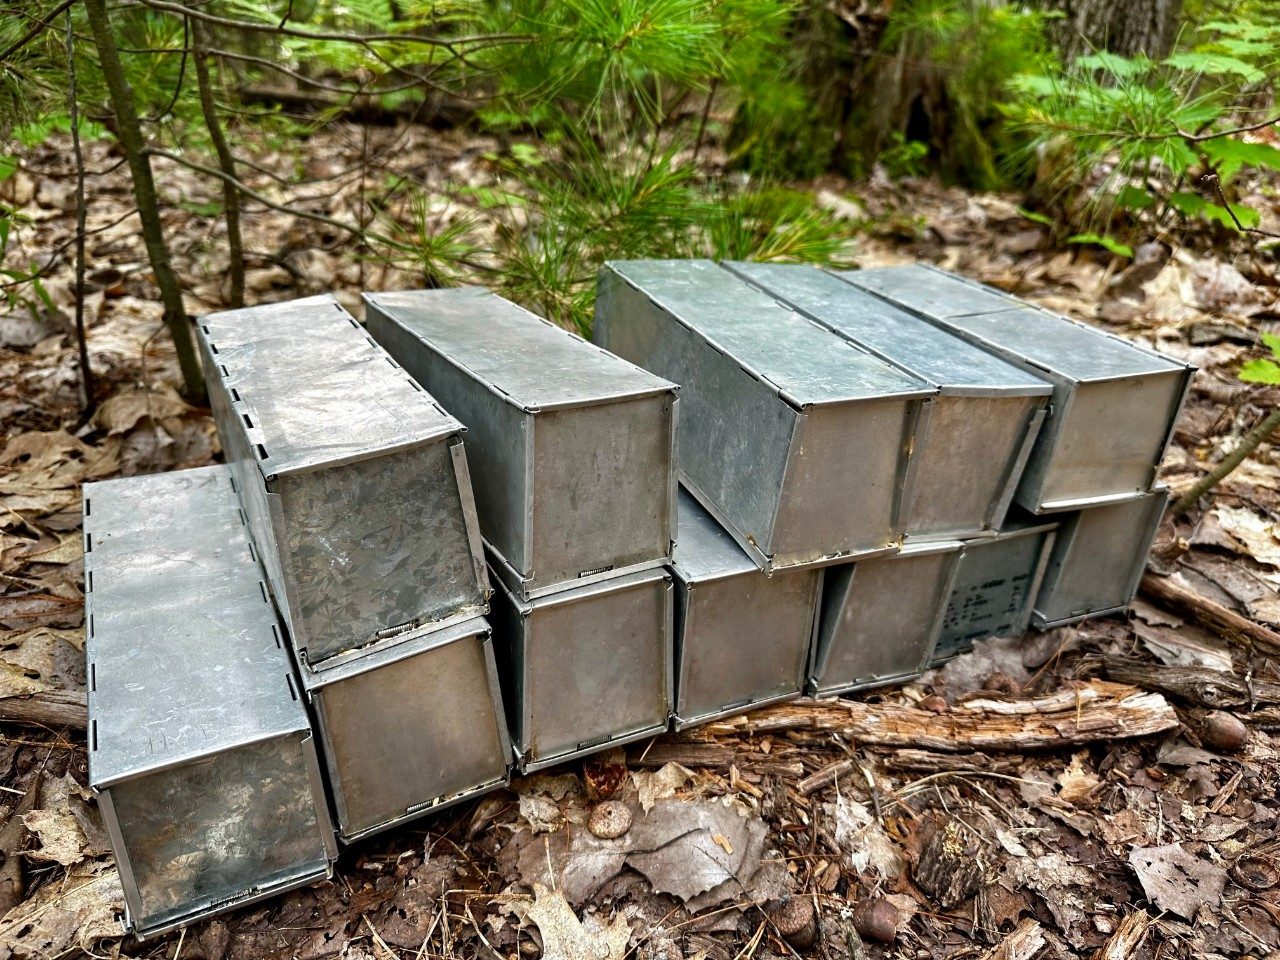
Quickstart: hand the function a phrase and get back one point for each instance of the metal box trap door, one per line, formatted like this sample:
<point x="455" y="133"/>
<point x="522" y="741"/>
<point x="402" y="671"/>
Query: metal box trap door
<point x="353" y="479"/>
<point x="1114" y="403"/>
<point x="996" y="585"/>
<point x="411" y="728"/>
<point x="742" y="638"/>
<point x="791" y="437"/>
<point x="972" y="440"/>
<point x="881" y="618"/>
<point x="199" y="745"/>
<point x="572" y="448"/>
<point x="1098" y="559"/>
<point x="586" y="668"/>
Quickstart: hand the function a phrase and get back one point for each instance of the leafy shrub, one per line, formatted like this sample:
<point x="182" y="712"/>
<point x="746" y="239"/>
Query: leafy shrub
<point x="1132" y="142"/>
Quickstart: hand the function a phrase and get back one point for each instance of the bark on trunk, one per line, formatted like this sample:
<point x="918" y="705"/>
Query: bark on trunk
<point x="129" y="134"/>
<point x="1127" y="28"/>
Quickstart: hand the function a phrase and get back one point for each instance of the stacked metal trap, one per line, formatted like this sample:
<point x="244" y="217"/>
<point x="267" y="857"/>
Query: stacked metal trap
<point x="879" y="468"/>
<point x="574" y="452"/>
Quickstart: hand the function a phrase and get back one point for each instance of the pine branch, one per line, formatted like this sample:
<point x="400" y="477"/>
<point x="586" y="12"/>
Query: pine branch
<point x="37" y="28"/>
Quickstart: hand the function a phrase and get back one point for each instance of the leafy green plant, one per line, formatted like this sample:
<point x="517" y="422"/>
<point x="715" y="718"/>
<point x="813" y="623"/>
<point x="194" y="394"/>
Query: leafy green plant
<point x="1130" y="143"/>
<point x="1265" y="369"/>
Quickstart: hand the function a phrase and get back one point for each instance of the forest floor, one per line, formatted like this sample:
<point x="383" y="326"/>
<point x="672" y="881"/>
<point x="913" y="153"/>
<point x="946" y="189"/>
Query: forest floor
<point x="1064" y="794"/>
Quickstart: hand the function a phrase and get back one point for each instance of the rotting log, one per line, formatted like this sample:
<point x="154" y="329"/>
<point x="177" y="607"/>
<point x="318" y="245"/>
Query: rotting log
<point x="1216" y="616"/>
<point x="50" y="708"/>
<point x="1215" y="689"/>
<point x="1098" y="710"/>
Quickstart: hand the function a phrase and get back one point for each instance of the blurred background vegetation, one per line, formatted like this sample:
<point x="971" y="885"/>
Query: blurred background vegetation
<point x="639" y="128"/>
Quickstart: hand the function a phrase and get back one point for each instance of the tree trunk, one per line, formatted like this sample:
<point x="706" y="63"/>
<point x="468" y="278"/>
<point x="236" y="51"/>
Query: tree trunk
<point x="226" y="162"/>
<point x="1126" y="27"/>
<point x="129" y="134"/>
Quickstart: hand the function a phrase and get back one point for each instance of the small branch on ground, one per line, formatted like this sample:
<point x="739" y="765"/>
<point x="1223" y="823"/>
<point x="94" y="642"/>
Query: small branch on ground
<point x="1173" y="592"/>
<point x="1248" y="443"/>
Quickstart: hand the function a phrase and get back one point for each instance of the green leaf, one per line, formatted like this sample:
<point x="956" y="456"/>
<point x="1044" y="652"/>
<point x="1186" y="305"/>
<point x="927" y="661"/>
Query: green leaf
<point x="1273" y="344"/>
<point x="1230" y="154"/>
<point x="1215" y="64"/>
<point x="1114" y="64"/>
<point x="1247" y="216"/>
<point x="8" y="166"/>
<point x="1260" y="371"/>
<point x="1107" y="243"/>
<point x="1130" y="197"/>
<point x="1036" y="217"/>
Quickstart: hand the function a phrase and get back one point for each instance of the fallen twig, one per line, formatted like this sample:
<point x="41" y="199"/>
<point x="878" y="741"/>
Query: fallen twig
<point x="1199" y="685"/>
<point x="51" y="708"/>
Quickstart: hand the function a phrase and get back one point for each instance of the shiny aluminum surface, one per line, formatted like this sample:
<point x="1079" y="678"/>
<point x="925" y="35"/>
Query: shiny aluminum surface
<point x="1098" y="560"/>
<point x="573" y="448"/>
<point x="586" y="668"/>
<point x="199" y="743"/>
<point x="1114" y="403"/>
<point x="972" y="441"/>
<point x="353" y="479"/>
<point x="772" y="404"/>
<point x="881" y="618"/>
<point x="742" y="638"/>
<point x="411" y="728"/>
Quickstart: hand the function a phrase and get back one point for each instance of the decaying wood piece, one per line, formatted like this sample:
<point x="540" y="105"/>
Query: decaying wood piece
<point x="1215" y="689"/>
<point x="826" y="775"/>
<point x="1128" y="937"/>
<point x="1025" y="942"/>
<point x="1216" y="616"/>
<point x="927" y="761"/>
<point x="12" y="836"/>
<point x="1098" y="710"/>
<point x="51" y="708"/>
<point x="950" y="867"/>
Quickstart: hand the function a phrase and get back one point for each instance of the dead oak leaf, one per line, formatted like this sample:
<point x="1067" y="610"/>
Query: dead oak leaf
<point x="1177" y="881"/>
<point x="61" y="917"/>
<point x="123" y="411"/>
<point x="565" y="937"/>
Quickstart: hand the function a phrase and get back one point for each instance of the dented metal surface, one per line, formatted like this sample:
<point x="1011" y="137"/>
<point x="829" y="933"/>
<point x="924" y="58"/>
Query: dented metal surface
<point x="199" y="744"/>
<point x="742" y="638"/>
<point x="773" y="404"/>
<point x="573" y="448"/>
<point x="1114" y="403"/>
<point x="587" y="668"/>
<point x="353" y="479"/>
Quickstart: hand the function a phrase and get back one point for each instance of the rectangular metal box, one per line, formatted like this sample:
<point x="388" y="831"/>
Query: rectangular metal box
<point x="972" y="440"/>
<point x="411" y="727"/>
<point x="353" y="479"/>
<point x="586" y="668"/>
<point x="996" y="585"/>
<point x="1114" y="403"/>
<point x="200" y="749"/>
<point x="881" y="618"/>
<point x="572" y="449"/>
<point x="742" y="637"/>
<point x="791" y="437"/>
<point x="1097" y="560"/>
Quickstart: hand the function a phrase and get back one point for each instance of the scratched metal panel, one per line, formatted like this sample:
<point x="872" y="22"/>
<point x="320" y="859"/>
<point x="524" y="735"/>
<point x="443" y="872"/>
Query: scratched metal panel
<point x="574" y="448"/>
<point x="995" y="587"/>
<point x="742" y="638"/>
<point x="199" y="743"/>
<point x="772" y="468"/>
<point x="586" y="668"/>
<point x="356" y="497"/>
<point x="881" y="618"/>
<point x="411" y="728"/>
<point x="1114" y="403"/>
